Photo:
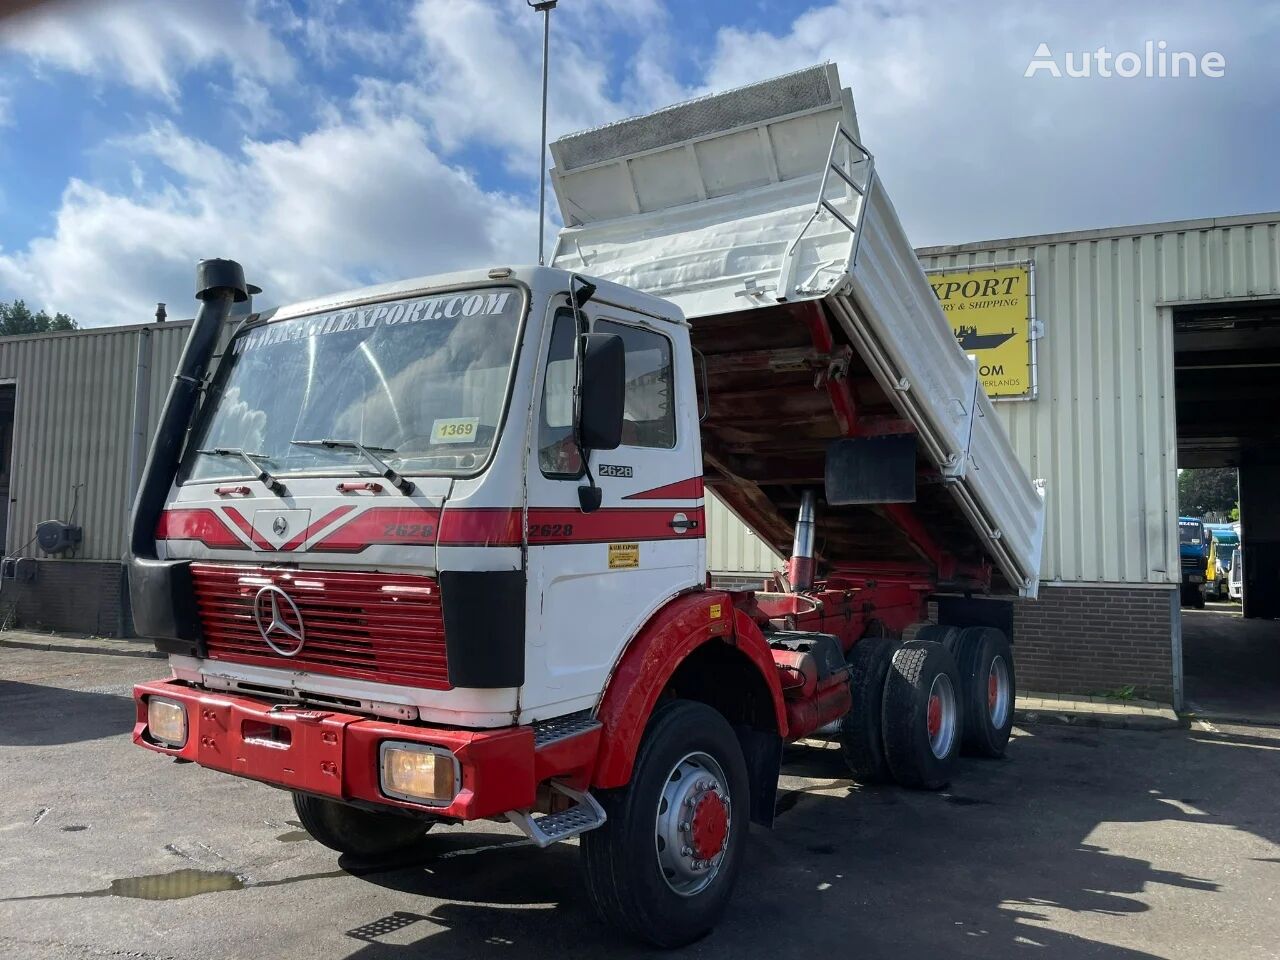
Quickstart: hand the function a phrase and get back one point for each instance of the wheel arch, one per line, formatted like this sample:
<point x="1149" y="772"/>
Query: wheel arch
<point x="697" y="647"/>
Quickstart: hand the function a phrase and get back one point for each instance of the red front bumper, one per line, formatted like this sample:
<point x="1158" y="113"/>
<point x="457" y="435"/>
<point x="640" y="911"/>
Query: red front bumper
<point x="336" y="754"/>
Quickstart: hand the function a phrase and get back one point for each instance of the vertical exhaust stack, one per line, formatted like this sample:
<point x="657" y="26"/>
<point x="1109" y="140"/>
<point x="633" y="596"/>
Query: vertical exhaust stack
<point x="800" y="566"/>
<point x="161" y="595"/>
<point x="219" y="283"/>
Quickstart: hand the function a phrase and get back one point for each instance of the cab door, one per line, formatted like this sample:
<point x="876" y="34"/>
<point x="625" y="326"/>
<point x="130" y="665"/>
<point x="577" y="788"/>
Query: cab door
<point x="595" y="578"/>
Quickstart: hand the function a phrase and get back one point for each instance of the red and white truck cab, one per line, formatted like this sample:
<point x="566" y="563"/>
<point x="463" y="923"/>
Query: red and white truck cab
<point x="434" y="551"/>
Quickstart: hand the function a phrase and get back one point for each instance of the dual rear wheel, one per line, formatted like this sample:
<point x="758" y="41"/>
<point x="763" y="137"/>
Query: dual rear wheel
<point x="918" y="704"/>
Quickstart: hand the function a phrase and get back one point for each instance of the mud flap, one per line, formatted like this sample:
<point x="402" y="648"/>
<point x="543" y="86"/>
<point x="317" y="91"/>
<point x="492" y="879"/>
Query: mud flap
<point x="762" y="750"/>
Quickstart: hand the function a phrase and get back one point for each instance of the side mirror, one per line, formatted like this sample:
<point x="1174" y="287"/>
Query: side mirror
<point x="600" y="399"/>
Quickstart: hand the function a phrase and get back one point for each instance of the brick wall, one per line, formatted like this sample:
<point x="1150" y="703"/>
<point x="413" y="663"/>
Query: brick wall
<point x="75" y="596"/>
<point x="1088" y="640"/>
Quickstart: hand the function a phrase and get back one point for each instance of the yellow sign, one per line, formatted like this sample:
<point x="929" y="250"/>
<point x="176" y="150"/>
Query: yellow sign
<point x="622" y="555"/>
<point x="715" y="611"/>
<point x="990" y="313"/>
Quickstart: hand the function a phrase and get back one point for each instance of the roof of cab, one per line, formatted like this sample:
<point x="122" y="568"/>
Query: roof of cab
<point x="538" y="279"/>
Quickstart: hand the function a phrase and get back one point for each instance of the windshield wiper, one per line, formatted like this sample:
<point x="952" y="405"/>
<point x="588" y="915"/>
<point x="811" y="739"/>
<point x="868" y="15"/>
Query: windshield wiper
<point x="403" y="485"/>
<point x="259" y="472"/>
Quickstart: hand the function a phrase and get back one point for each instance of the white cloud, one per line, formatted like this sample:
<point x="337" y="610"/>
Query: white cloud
<point x="347" y="204"/>
<point x="147" y="45"/>
<point x="480" y="72"/>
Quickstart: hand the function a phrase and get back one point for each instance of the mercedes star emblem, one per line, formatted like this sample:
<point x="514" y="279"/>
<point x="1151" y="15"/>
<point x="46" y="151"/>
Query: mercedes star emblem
<point x="280" y="525"/>
<point x="279" y="621"/>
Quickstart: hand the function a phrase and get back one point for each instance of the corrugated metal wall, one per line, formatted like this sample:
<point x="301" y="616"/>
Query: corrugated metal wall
<point x="732" y="547"/>
<point x="1102" y="432"/>
<point x="73" y="421"/>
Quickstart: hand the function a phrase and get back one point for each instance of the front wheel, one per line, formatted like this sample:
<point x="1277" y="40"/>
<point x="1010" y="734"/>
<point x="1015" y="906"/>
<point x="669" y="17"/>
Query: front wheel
<point x="360" y="833"/>
<point x="663" y="865"/>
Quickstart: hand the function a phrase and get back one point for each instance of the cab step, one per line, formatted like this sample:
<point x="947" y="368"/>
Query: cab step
<point x="585" y="814"/>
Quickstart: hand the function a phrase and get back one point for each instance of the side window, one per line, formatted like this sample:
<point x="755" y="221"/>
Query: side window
<point x="649" y="415"/>
<point x="557" y="454"/>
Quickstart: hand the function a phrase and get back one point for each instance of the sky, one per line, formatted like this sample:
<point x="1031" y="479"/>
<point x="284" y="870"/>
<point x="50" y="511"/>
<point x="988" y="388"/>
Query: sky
<point x="327" y="144"/>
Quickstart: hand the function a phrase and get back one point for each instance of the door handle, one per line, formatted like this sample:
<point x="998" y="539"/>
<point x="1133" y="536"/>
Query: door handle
<point x="681" y="523"/>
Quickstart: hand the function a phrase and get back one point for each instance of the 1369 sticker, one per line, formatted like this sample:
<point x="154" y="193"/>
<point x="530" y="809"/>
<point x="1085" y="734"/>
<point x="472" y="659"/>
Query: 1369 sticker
<point x="614" y="470"/>
<point x="455" y="430"/>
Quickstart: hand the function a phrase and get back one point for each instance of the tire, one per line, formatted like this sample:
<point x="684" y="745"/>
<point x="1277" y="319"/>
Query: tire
<point x="988" y="688"/>
<point x="360" y="833"/>
<point x="923" y="715"/>
<point x="939" y="633"/>
<point x="861" y="731"/>
<point x="648" y="887"/>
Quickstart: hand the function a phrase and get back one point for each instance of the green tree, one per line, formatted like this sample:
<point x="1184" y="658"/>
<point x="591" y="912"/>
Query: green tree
<point x="1205" y="492"/>
<point x="16" y="319"/>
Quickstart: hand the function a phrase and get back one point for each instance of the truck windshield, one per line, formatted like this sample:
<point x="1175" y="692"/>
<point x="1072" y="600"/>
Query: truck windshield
<point x="422" y="381"/>
<point x="1190" y="532"/>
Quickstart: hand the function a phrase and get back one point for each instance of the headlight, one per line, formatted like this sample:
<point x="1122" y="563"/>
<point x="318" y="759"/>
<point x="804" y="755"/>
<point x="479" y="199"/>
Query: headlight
<point x="166" y="721"/>
<point x="418" y="772"/>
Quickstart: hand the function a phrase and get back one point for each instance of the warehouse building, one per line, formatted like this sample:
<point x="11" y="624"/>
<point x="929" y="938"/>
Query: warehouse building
<point x="1116" y="355"/>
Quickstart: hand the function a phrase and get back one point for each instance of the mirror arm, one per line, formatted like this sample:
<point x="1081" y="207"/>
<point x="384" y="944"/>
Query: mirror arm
<point x="589" y="496"/>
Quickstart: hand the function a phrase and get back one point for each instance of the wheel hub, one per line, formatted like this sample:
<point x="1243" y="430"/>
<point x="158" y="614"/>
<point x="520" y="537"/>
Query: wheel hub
<point x="695" y="815"/>
<point x="710" y="825"/>
<point x="998" y="692"/>
<point x="941" y="718"/>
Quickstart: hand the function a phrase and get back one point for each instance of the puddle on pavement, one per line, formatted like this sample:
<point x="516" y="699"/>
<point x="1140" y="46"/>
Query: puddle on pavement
<point x="293" y="836"/>
<point x="177" y="885"/>
<point x="74" y="828"/>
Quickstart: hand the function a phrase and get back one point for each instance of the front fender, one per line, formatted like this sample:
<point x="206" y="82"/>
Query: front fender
<point x="647" y="664"/>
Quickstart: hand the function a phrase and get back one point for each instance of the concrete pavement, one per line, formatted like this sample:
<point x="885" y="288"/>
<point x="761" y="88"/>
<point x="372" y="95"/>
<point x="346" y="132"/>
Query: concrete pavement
<point x="1083" y="843"/>
<point x="1231" y="665"/>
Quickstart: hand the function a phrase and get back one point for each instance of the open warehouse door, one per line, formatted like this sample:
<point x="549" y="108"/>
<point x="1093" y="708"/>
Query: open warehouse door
<point x="1227" y="390"/>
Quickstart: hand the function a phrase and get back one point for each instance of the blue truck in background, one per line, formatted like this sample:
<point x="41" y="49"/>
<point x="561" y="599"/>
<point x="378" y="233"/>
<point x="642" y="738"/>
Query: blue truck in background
<point x="1193" y="559"/>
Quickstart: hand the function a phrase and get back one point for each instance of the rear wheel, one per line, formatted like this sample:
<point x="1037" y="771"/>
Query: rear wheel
<point x="937" y="633"/>
<point x="663" y="865"/>
<point x="984" y="658"/>
<point x="361" y="833"/>
<point x="922" y="715"/>
<point x="861" y="730"/>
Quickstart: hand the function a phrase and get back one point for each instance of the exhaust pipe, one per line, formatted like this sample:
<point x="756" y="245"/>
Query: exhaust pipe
<point x="219" y="283"/>
<point x="161" y="595"/>
<point x="800" y="566"/>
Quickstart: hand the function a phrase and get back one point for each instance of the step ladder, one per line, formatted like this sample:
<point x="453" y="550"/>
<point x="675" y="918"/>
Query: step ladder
<point x="585" y="814"/>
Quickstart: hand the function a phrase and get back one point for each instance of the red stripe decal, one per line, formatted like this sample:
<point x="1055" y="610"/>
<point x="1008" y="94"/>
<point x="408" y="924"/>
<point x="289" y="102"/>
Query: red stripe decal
<point x="402" y="526"/>
<point x="481" y="527"/>
<point x="238" y="519"/>
<point x="320" y="524"/>
<point x="690" y="489"/>
<point x="200" y="524"/>
<point x="548" y="525"/>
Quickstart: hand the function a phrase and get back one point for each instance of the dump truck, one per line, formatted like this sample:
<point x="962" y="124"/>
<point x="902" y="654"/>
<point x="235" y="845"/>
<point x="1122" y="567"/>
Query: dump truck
<point x="434" y="551"/>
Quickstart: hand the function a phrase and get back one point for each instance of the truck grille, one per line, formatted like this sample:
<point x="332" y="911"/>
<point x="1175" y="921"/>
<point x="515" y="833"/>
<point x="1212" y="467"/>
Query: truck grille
<point x="1192" y="563"/>
<point x="382" y="627"/>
